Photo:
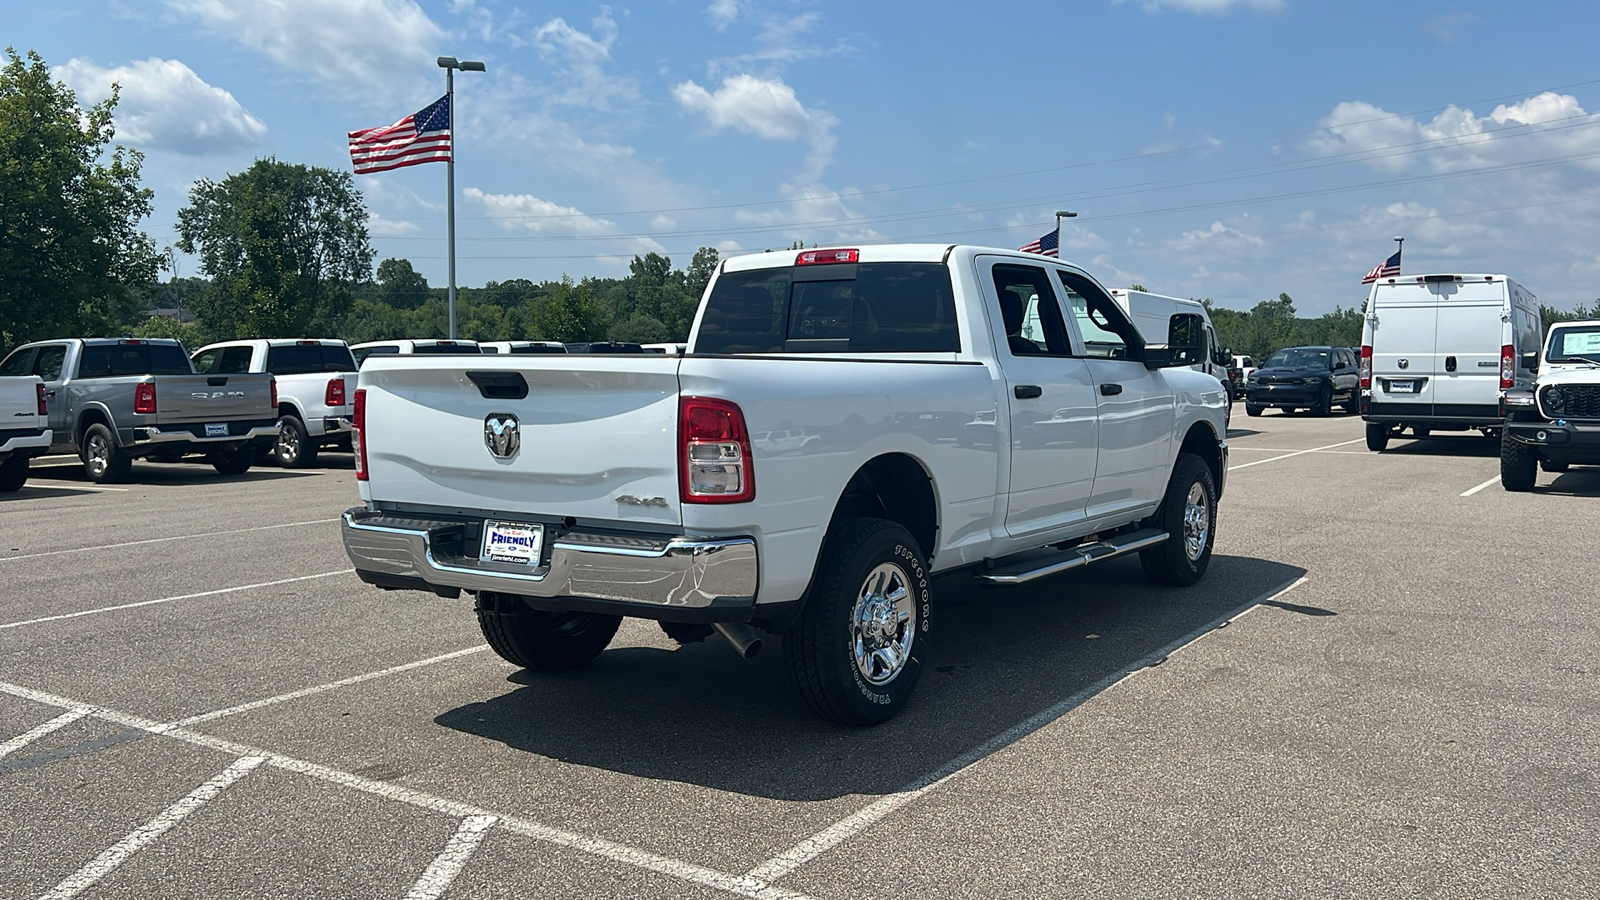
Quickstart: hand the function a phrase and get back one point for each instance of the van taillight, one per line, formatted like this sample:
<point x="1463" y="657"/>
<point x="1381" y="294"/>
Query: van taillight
<point x="144" y="398"/>
<point x="714" y="465"/>
<point x="1365" y="368"/>
<point x="335" y="395"/>
<point x="1508" y="367"/>
<point x="44" y="409"/>
<point x="358" y="434"/>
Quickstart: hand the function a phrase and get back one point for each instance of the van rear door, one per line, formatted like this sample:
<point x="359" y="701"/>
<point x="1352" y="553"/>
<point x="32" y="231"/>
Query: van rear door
<point x="1406" y="317"/>
<point x="1471" y="325"/>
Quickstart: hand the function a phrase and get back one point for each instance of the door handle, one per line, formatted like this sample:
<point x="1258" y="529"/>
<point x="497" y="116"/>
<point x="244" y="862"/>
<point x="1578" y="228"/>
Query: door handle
<point x="1027" y="391"/>
<point x="1110" y="390"/>
<point x="1449" y="363"/>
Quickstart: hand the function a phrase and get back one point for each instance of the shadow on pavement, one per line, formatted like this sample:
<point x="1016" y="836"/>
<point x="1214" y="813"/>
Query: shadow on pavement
<point x="1465" y="444"/>
<point x="156" y="473"/>
<point x="1002" y="656"/>
<point x="1580" y="482"/>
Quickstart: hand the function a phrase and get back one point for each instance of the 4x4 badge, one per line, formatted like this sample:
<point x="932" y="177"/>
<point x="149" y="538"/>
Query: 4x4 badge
<point x="502" y="434"/>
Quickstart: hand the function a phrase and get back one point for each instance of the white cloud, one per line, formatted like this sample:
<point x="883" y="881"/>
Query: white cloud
<point x="1449" y="27"/>
<point x="534" y="214"/>
<point x="722" y="13"/>
<point x="378" y="226"/>
<point x="1211" y="7"/>
<point x="164" y="105"/>
<point x="767" y="109"/>
<point x="361" y="47"/>
<point x="1218" y="231"/>
<point x="578" y="61"/>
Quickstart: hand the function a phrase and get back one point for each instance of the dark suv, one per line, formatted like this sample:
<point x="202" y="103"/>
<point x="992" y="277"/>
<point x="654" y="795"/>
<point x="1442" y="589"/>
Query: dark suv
<point x="1313" y="378"/>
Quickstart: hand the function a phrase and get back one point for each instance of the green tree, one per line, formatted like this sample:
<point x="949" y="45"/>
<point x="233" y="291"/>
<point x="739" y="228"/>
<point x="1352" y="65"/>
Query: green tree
<point x="569" y="313"/>
<point x="72" y="258"/>
<point x="400" y="285"/>
<point x="701" y="268"/>
<point x="283" y="245"/>
<point x="1549" y="315"/>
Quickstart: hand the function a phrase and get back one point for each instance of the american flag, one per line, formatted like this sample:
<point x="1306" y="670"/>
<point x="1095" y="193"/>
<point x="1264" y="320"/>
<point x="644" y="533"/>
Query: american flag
<point x="422" y="137"/>
<point x="1388" y="267"/>
<point x="1046" y="245"/>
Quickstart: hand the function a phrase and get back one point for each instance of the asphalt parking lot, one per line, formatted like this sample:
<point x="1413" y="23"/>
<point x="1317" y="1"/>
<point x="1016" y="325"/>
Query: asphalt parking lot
<point x="1388" y="685"/>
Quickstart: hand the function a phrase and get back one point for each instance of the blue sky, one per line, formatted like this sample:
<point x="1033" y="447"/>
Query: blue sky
<point x="1229" y="149"/>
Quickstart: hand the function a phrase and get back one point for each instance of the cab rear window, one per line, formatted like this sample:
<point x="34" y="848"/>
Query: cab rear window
<point x="300" y="359"/>
<point x="113" y="360"/>
<point x="855" y="308"/>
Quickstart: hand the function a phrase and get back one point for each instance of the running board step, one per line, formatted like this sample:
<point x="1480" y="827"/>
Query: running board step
<point x="1040" y="563"/>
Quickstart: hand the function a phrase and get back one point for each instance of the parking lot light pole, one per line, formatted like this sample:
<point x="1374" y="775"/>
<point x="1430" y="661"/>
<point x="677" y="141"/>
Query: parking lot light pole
<point x="1062" y="214"/>
<point x="1399" y="249"/>
<point x="450" y="64"/>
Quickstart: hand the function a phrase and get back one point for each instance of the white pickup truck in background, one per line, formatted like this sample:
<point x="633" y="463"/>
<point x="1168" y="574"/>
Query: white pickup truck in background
<point x="921" y="433"/>
<point x="316" y="387"/>
<point x="24" y="426"/>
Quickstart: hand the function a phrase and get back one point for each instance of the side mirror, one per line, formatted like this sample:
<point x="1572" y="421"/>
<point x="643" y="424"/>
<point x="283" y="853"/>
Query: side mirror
<point x="1185" y="343"/>
<point x="1530" y="360"/>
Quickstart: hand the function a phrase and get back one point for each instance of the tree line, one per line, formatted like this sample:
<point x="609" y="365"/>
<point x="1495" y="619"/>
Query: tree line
<point x="284" y="251"/>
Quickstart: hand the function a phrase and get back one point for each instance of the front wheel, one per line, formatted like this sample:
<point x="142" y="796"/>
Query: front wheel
<point x="1377" y="437"/>
<point x="1324" y="404"/>
<point x="1353" y="405"/>
<point x="1519" y="465"/>
<point x="295" y="448"/>
<point x="1188" y="515"/>
<point x="13" y="474"/>
<point x="233" y="462"/>
<point x="535" y="639"/>
<point x="858" y="649"/>
<point x="1253" y="409"/>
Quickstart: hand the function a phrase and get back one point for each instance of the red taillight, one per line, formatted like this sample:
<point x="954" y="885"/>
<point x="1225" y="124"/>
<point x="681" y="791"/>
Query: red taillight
<point x="335" y="395"/>
<point x="274" y="383"/>
<point x="358" y="434"/>
<point x="144" y="398"/>
<point x="44" y="409"/>
<point x="1508" y="367"/>
<point x="714" y="465"/>
<point x="815" y="257"/>
<point x="1365" y="367"/>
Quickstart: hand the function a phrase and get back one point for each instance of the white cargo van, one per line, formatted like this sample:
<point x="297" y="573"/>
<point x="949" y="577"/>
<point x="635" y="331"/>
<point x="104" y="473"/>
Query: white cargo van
<point x="1438" y="350"/>
<point x="1151" y="313"/>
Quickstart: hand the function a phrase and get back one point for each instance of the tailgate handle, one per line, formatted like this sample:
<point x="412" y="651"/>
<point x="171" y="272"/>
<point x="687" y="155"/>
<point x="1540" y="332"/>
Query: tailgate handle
<point x="500" y="385"/>
<point x="217" y="380"/>
<point x="1449" y="363"/>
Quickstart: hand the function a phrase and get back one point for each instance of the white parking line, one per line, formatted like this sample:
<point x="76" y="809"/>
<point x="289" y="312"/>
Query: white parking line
<point x="448" y="864"/>
<point x="35" y="482"/>
<point x="743" y="885"/>
<point x="812" y="847"/>
<point x="1260" y="462"/>
<point x="343" y="682"/>
<point x="183" y="537"/>
<point x="23" y="740"/>
<point x="140" y="837"/>
<point x="230" y="590"/>
<point x="1471" y="491"/>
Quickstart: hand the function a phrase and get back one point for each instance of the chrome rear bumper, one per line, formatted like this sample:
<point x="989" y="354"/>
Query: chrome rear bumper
<point x="662" y="573"/>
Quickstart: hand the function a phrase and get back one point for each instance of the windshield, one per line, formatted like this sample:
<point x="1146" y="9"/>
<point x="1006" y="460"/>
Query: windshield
<point x="1298" y="358"/>
<point x="1580" y="343"/>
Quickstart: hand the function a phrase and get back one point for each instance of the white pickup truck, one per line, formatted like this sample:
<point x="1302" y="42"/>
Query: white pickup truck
<point x="922" y="433"/>
<point x="24" y="426"/>
<point x="316" y="387"/>
<point x="1555" y="422"/>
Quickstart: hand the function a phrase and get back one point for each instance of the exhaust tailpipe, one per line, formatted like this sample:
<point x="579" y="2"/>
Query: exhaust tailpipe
<point x="746" y="641"/>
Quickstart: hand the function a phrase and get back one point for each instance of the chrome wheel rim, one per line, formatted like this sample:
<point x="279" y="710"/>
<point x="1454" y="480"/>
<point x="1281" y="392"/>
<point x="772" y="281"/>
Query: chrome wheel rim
<point x="1196" y="521"/>
<point x="881" y="625"/>
<point x="99" y="454"/>
<point x="288" y="442"/>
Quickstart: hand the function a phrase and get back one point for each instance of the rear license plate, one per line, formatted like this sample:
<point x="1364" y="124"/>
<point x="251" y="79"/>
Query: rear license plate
<point x="512" y="542"/>
<point x="214" y="429"/>
<point x="1402" y="387"/>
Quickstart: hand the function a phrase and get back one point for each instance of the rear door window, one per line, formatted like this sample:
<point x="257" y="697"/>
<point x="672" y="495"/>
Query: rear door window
<point x="17" y="363"/>
<point x="846" y="308"/>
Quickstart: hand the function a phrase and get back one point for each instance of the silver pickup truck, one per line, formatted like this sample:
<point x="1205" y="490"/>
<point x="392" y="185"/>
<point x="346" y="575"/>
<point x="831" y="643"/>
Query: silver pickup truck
<point x="112" y="400"/>
<point x="24" y="430"/>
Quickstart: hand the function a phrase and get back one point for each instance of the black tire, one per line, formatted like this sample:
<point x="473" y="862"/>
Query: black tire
<point x="1519" y="465"/>
<point x="1324" y="404"/>
<point x="534" y="639"/>
<point x="103" y="461"/>
<point x="235" y="462"/>
<point x="1188" y="514"/>
<point x="1549" y="465"/>
<point x="13" y="474"/>
<point x="295" y="448"/>
<point x="1353" y="405"/>
<point x="1377" y="437"/>
<point x="869" y="569"/>
<point x="1253" y="409"/>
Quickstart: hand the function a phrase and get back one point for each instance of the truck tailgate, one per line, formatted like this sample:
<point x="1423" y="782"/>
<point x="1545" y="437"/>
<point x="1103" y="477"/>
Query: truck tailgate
<point x="19" y="403"/>
<point x="190" y="399"/>
<point x="597" y="435"/>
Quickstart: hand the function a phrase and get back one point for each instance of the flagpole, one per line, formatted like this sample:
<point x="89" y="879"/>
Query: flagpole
<point x="1398" y="250"/>
<point x="450" y="64"/>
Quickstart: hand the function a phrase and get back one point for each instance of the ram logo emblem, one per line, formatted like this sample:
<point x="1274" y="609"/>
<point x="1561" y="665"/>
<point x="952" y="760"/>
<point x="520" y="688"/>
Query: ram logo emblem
<point x="1404" y="363"/>
<point x="502" y="435"/>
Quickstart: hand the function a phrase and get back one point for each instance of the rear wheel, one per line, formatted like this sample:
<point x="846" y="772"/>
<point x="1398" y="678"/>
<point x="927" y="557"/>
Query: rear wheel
<point x="858" y="649"/>
<point x="13" y="474"/>
<point x="1353" y="405"/>
<point x="103" y="461"/>
<point x="1188" y="515"/>
<point x="1519" y="465"/>
<point x="295" y="448"/>
<point x="1324" y="404"/>
<point x="233" y="462"/>
<point x="547" y="641"/>
<point x="1377" y="437"/>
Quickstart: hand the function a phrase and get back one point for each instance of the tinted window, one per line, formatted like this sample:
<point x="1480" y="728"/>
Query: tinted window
<point x="17" y="362"/>
<point x="442" y="349"/>
<point x="299" y="359"/>
<point x="866" y="308"/>
<point x="234" y="361"/>
<point x="1029" y="312"/>
<point x="112" y="360"/>
<point x="48" y="365"/>
<point x="206" y="360"/>
<point x="539" y="348"/>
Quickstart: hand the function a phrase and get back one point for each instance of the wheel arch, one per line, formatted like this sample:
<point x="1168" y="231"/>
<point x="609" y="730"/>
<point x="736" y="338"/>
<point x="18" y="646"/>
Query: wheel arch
<point x="897" y="487"/>
<point x="1201" y="440"/>
<point x="92" y="415"/>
